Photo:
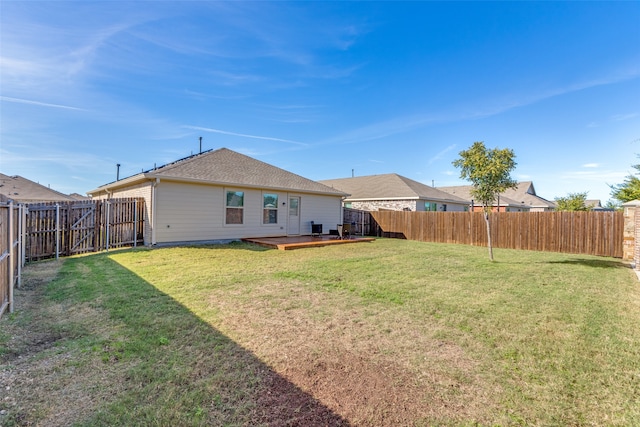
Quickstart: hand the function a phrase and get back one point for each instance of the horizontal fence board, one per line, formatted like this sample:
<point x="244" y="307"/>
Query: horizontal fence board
<point x="594" y="233"/>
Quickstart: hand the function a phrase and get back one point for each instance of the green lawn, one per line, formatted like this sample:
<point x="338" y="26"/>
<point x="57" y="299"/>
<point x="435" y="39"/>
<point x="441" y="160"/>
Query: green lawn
<point x="392" y="332"/>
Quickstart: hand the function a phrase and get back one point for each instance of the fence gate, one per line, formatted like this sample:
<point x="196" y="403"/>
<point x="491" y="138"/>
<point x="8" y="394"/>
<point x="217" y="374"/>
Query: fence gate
<point x="82" y="230"/>
<point x="63" y="229"/>
<point x="360" y="221"/>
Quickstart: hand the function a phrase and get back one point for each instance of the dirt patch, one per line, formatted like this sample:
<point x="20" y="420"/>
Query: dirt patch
<point x="371" y="366"/>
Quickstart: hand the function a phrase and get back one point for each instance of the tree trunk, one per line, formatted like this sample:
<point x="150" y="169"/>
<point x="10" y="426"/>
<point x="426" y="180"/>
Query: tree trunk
<point x="486" y="218"/>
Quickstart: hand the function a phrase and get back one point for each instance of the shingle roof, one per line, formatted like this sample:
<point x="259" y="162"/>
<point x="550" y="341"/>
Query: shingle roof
<point x="389" y="186"/>
<point x="593" y="203"/>
<point x="523" y="194"/>
<point x="227" y="167"/>
<point x="23" y="190"/>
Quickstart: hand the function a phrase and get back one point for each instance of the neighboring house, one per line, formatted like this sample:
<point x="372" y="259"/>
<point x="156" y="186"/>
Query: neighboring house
<point x="395" y="192"/>
<point x="523" y="198"/>
<point x="22" y="190"/>
<point x="596" y="205"/>
<point x="225" y="195"/>
<point x="79" y="197"/>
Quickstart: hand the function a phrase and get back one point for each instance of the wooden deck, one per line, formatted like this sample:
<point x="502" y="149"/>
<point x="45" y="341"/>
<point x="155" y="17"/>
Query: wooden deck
<point x="286" y="243"/>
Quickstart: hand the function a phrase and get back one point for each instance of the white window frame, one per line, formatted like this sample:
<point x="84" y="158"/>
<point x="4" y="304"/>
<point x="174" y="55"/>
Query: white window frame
<point x="271" y="209"/>
<point x="226" y="206"/>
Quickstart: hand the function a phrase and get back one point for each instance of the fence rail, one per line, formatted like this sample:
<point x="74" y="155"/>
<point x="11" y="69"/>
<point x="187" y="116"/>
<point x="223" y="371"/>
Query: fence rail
<point x="69" y="228"/>
<point x="593" y="233"/>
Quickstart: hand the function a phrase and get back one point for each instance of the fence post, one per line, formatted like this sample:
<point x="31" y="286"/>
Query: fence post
<point x="57" y="231"/>
<point x="20" y="251"/>
<point x="108" y="205"/>
<point x="11" y="256"/>
<point x="68" y="244"/>
<point x="23" y="255"/>
<point x="97" y="229"/>
<point x="135" y="223"/>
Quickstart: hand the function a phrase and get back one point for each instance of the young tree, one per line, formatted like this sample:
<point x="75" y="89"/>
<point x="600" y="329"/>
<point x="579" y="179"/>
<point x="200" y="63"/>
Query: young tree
<point x="629" y="189"/>
<point x="572" y="202"/>
<point x="490" y="173"/>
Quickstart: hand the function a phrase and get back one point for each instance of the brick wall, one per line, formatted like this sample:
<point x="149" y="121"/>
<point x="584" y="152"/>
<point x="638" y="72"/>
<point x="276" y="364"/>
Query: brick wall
<point x="394" y="205"/>
<point x="631" y="238"/>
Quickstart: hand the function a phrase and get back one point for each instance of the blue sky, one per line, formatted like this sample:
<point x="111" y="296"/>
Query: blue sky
<point x="321" y="88"/>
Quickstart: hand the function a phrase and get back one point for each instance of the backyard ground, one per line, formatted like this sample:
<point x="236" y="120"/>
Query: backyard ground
<point x="389" y="333"/>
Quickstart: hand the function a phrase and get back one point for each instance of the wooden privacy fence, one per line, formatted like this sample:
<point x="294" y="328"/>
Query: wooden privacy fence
<point x="69" y="228"/>
<point x="12" y="221"/>
<point x="593" y="233"/>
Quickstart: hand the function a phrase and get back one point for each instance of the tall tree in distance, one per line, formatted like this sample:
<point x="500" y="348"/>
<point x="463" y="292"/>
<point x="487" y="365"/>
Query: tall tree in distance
<point x="573" y="202"/>
<point x="490" y="173"/>
<point x="629" y="190"/>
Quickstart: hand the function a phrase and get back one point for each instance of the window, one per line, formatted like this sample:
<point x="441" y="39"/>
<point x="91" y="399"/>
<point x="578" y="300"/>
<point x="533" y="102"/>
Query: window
<point x="347" y="205"/>
<point x="431" y="207"/>
<point x="293" y="206"/>
<point x="235" y="207"/>
<point x="269" y="208"/>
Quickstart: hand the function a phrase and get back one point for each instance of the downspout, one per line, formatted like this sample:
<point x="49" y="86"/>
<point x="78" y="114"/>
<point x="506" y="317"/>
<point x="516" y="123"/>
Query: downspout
<point x="153" y="210"/>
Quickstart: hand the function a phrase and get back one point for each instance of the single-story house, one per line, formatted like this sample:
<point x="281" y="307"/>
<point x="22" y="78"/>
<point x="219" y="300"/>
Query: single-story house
<point x="394" y="192"/>
<point x="596" y="205"/>
<point x="224" y="195"/>
<point x="23" y="190"/>
<point x="523" y="198"/>
<point x="79" y="197"/>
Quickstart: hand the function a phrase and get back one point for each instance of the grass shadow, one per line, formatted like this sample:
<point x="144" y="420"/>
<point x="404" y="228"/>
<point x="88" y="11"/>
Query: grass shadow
<point x="594" y="263"/>
<point x="166" y="365"/>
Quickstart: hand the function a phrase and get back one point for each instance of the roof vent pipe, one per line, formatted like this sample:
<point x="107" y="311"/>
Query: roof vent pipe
<point x="118" y="172"/>
<point x="200" y="145"/>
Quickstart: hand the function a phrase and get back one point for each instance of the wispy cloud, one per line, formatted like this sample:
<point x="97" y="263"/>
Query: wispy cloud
<point x="38" y="103"/>
<point x="615" y="118"/>
<point x="406" y="123"/>
<point x="243" y="135"/>
<point x="441" y="154"/>
<point x="382" y="129"/>
<point x="590" y="165"/>
<point x="622" y="117"/>
<point x="594" y="176"/>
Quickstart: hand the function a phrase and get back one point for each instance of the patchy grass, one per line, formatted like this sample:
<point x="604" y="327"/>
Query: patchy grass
<point x="389" y="333"/>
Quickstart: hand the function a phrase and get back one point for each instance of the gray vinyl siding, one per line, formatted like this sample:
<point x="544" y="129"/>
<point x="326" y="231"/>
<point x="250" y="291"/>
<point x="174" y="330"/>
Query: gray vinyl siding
<point x="196" y="212"/>
<point x="325" y="210"/>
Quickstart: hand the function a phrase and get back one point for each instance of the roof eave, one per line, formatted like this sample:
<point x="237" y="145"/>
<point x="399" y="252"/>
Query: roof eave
<point x="153" y="176"/>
